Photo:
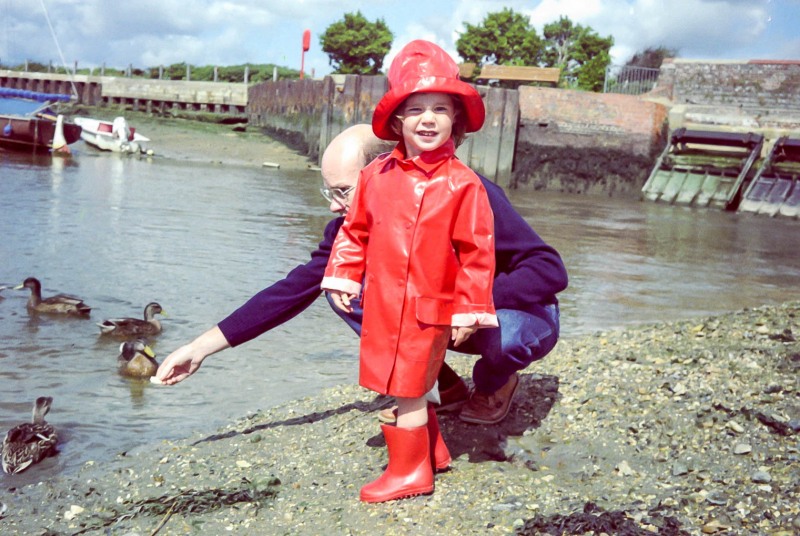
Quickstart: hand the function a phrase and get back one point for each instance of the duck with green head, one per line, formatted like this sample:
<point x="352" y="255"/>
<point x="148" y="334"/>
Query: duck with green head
<point x="136" y="360"/>
<point x="61" y="303"/>
<point x="134" y="327"/>
<point x="29" y="443"/>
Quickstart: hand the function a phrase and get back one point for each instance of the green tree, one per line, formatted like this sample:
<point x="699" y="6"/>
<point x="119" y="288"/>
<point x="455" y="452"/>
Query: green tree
<point x="580" y="53"/>
<point x="652" y="58"/>
<point x="356" y="46"/>
<point x="502" y="38"/>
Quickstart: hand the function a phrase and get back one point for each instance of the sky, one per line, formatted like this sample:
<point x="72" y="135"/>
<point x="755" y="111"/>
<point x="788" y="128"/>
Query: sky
<point x="148" y="33"/>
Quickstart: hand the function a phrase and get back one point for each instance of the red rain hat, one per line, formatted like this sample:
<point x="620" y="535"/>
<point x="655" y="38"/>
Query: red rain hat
<point x="423" y="67"/>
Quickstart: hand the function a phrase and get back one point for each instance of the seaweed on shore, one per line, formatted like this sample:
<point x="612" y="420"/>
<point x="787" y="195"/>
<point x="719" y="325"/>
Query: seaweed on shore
<point x="595" y="520"/>
<point x="193" y="502"/>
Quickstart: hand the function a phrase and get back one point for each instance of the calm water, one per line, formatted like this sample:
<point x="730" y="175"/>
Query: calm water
<point x="201" y="239"/>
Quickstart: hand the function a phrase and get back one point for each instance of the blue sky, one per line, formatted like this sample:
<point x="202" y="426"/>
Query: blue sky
<point x="148" y="33"/>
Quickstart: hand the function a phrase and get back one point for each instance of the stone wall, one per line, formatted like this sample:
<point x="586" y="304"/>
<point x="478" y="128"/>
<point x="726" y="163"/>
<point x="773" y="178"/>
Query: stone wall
<point x="745" y="96"/>
<point x="582" y="142"/>
<point x="754" y="84"/>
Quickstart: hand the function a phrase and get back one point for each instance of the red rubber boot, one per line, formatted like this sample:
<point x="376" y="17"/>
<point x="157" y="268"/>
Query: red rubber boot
<point x="440" y="456"/>
<point x="409" y="471"/>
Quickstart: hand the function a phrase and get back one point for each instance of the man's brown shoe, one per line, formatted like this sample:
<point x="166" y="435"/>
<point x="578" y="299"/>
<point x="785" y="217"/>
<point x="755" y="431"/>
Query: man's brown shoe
<point x="452" y="398"/>
<point x="490" y="409"/>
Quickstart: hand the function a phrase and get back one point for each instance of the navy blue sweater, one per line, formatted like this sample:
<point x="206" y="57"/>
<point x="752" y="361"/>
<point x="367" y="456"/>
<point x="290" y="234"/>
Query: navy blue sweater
<point x="528" y="272"/>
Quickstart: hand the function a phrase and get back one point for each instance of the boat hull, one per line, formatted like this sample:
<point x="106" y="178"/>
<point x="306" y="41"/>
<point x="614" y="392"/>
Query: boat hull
<point x="33" y="135"/>
<point x="101" y="135"/>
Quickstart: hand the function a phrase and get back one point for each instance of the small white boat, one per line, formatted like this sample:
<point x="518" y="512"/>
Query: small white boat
<point x="116" y="136"/>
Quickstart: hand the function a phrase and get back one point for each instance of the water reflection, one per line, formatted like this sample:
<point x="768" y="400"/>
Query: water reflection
<point x="633" y="262"/>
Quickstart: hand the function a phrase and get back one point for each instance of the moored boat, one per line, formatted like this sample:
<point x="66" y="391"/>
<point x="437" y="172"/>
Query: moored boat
<point x="29" y="124"/>
<point x="116" y="136"/>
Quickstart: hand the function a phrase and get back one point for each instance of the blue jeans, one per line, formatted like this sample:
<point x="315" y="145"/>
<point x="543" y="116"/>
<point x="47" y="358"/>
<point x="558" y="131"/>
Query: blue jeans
<point x="521" y="339"/>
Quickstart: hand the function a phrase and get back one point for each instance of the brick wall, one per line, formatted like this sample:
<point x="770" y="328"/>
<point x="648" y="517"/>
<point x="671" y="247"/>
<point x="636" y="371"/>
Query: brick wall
<point x="584" y="142"/>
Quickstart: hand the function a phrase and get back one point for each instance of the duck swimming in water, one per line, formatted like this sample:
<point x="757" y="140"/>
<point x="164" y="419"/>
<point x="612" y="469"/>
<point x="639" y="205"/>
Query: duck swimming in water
<point x="136" y="360"/>
<point x="61" y="303"/>
<point x="29" y="443"/>
<point x="134" y="327"/>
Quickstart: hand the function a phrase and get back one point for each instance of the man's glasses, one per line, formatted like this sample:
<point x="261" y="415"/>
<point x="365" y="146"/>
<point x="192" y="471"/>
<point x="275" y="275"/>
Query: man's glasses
<point x="338" y="195"/>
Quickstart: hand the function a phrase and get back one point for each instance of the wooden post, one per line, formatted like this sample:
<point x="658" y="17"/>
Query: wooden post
<point x="216" y="70"/>
<point x="188" y="73"/>
<point x="246" y="74"/>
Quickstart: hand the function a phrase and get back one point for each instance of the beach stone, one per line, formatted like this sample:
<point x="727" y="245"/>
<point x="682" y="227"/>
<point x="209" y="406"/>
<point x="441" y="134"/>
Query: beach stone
<point x="679" y="469"/>
<point x="717" y="498"/>
<point x="742" y="448"/>
<point x="735" y="426"/>
<point x="761" y="477"/>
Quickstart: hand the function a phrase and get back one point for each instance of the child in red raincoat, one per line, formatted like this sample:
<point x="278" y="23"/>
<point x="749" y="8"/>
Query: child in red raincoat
<point x="419" y="235"/>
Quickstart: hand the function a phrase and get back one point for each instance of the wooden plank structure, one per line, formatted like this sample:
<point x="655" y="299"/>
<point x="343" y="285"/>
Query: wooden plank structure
<point x="519" y="73"/>
<point x="490" y="151"/>
<point x="347" y="100"/>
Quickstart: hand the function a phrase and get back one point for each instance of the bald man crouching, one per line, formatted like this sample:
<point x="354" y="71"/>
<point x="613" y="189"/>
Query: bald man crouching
<point x="528" y="275"/>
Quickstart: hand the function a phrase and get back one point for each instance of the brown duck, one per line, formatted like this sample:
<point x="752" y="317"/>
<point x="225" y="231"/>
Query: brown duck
<point x="29" y="443"/>
<point x="134" y="327"/>
<point x="61" y="303"/>
<point x="136" y="360"/>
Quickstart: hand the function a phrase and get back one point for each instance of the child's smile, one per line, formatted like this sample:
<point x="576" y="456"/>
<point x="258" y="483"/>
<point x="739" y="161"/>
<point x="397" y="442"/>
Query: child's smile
<point x="427" y="122"/>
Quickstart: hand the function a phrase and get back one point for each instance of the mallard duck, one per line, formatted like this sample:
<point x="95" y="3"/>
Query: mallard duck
<point x="136" y="360"/>
<point x="29" y="443"/>
<point x="60" y="303"/>
<point x="134" y="327"/>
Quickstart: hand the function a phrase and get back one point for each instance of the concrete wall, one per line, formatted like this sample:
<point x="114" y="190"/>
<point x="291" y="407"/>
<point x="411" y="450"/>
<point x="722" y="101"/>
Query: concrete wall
<point x="582" y="142"/>
<point x="216" y="97"/>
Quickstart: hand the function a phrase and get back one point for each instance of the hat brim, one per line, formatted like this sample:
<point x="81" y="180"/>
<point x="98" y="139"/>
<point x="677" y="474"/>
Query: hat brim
<point x="473" y="103"/>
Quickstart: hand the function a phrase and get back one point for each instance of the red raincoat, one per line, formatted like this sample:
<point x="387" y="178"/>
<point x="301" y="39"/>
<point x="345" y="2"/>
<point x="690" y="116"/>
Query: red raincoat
<point x="420" y="235"/>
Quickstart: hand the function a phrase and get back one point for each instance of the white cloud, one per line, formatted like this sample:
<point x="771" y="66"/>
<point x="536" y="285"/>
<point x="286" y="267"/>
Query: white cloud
<point x="226" y="32"/>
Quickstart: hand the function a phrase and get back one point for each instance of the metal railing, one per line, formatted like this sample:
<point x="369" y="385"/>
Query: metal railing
<point x="629" y="80"/>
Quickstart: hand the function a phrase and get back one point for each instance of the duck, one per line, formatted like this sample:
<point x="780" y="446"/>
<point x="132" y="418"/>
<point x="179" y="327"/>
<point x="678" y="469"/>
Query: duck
<point x="134" y="327"/>
<point x="31" y="442"/>
<point x="136" y="360"/>
<point x="61" y="303"/>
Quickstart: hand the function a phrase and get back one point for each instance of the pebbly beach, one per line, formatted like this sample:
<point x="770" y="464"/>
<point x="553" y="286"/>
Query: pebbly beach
<point x="680" y="427"/>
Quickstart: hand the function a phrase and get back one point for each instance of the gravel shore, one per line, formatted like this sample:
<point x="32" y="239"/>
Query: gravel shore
<point x="686" y="427"/>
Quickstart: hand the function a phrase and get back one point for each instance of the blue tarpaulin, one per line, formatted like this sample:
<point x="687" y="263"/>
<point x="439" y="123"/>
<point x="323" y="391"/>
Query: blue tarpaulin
<point x="33" y="95"/>
<point x="24" y="102"/>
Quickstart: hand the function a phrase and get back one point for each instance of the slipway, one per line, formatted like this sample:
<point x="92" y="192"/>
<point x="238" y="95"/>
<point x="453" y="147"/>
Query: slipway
<point x="703" y="168"/>
<point x="775" y="190"/>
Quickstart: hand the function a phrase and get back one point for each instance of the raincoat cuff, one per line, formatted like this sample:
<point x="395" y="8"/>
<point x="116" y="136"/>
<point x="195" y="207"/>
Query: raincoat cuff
<point x="481" y="320"/>
<point x="341" y="284"/>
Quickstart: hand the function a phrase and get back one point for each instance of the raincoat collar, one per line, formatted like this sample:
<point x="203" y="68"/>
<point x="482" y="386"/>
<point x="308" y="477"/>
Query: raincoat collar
<point x="427" y="161"/>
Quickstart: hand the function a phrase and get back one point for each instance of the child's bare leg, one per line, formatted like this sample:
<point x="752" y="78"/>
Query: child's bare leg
<point x="412" y="412"/>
